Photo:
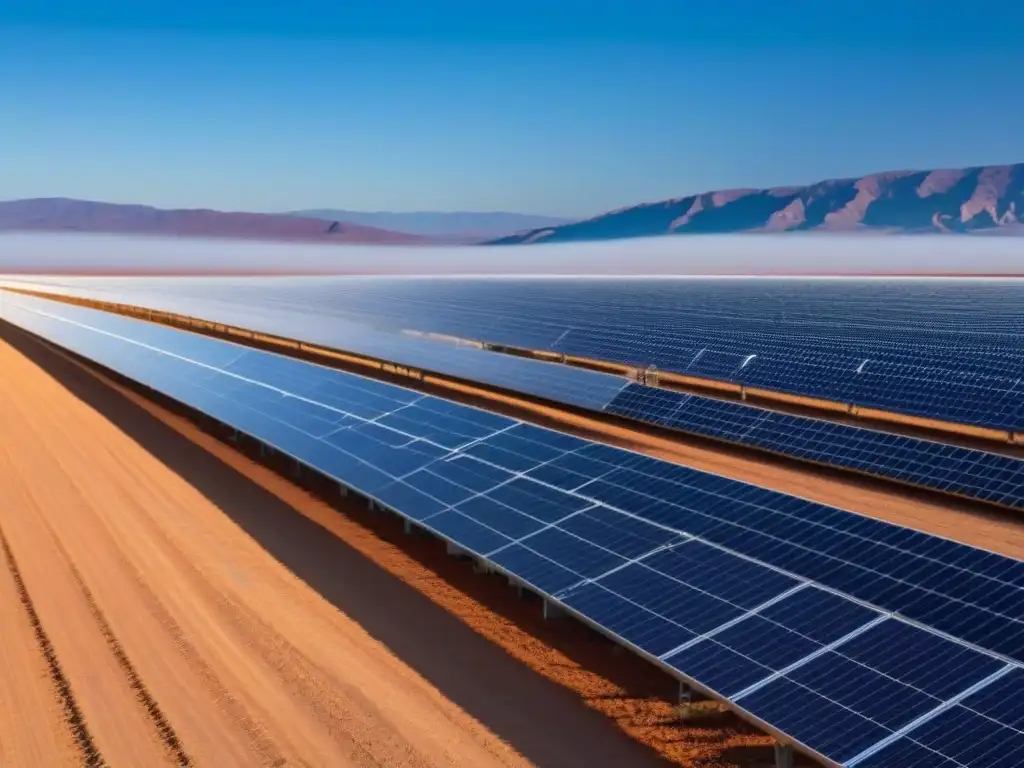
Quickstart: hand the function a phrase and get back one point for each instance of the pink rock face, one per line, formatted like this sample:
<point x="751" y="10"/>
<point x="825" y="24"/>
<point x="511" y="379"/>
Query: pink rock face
<point x="939" y="182"/>
<point x="793" y="215"/>
<point x="726" y="196"/>
<point x="992" y="186"/>
<point x="851" y="215"/>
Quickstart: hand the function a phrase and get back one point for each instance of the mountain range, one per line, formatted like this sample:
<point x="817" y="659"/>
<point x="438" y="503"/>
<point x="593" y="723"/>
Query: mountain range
<point x="982" y="199"/>
<point x="67" y="215"/>
<point x="475" y="225"/>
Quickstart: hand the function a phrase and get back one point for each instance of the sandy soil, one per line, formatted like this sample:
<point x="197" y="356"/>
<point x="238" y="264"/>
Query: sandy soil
<point x="145" y="622"/>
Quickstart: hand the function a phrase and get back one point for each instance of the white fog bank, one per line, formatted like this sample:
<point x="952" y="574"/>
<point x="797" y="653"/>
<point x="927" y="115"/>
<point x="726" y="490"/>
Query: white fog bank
<point x="680" y="255"/>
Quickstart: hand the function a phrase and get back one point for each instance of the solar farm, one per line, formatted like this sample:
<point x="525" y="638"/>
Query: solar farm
<point x="796" y="498"/>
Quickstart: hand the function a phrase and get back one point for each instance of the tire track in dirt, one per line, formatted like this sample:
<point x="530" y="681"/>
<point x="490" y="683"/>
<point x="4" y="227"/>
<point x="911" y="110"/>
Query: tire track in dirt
<point x="342" y="712"/>
<point x="83" y="739"/>
<point x="262" y="745"/>
<point x="352" y="721"/>
<point x="103" y="541"/>
<point x="165" y="731"/>
<point x="294" y="668"/>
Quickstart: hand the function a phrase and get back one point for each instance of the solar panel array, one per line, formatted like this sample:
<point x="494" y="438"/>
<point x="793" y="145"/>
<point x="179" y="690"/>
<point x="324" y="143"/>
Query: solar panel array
<point x="967" y="472"/>
<point x="976" y="474"/>
<point x="818" y="623"/>
<point x="949" y="350"/>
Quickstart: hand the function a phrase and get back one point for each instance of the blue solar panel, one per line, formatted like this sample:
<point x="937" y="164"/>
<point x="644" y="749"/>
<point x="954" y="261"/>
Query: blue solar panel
<point x="983" y="726"/>
<point x="967" y="472"/>
<point x="732" y="609"/>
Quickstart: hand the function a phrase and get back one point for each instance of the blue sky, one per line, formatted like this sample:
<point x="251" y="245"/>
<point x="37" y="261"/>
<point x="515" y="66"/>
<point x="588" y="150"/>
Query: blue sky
<point x="562" y="107"/>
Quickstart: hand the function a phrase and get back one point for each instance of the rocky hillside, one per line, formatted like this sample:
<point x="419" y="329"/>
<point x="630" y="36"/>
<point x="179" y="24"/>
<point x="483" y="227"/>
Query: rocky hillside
<point x="985" y="199"/>
<point x="67" y="215"/>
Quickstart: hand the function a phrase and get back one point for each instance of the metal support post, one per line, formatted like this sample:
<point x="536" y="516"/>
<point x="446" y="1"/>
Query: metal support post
<point x="685" y="693"/>
<point x="552" y="611"/>
<point x="783" y="756"/>
<point x="342" y="490"/>
<point x="407" y="526"/>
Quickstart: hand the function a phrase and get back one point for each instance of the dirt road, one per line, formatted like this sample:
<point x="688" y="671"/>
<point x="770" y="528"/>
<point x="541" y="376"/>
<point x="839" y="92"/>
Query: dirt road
<point x="143" y="621"/>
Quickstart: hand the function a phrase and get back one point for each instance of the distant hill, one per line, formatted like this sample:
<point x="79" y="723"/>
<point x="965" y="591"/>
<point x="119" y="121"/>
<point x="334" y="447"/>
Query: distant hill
<point x="985" y="199"/>
<point x="457" y="224"/>
<point x="67" y="215"/>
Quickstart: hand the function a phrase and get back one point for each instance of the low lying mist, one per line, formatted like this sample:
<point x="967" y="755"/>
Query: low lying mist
<point x="777" y="254"/>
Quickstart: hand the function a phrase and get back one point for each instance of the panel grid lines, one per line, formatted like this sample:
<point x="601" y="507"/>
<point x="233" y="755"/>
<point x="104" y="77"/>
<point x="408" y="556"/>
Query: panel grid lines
<point x="732" y="623"/>
<point x="931" y="715"/>
<point x="817" y="654"/>
<point x="768" y="508"/>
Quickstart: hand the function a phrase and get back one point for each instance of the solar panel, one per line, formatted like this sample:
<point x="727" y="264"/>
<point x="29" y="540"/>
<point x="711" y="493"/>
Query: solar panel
<point x="744" y="591"/>
<point x="967" y="472"/>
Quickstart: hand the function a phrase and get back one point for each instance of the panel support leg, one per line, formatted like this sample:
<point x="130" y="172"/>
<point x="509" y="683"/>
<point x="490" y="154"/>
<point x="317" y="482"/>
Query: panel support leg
<point x="552" y="611"/>
<point x="407" y="527"/>
<point x="453" y="549"/>
<point x="783" y="756"/>
<point x="685" y="693"/>
<point x="297" y="470"/>
<point x="342" y="490"/>
<point x="263" y="450"/>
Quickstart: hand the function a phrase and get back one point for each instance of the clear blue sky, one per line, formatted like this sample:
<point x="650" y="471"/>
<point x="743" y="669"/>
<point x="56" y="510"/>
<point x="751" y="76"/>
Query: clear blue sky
<point x="566" y="107"/>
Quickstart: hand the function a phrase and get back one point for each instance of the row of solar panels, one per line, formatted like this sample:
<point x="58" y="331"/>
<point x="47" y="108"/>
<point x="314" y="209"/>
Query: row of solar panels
<point x="965" y="373"/>
<point x="559" y="383"/>
<point x="946" y="394"/>
<point x="797" y="613"/>
<point x="975" y="474"/>
<point x="967" y="472"/>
